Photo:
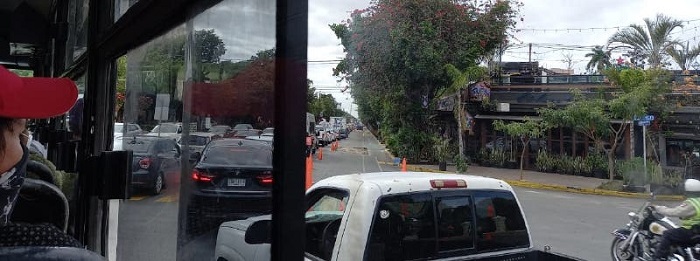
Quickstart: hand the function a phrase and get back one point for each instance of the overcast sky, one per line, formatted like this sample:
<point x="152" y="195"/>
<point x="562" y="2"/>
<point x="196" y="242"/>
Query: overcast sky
<point x="537" y="14"/>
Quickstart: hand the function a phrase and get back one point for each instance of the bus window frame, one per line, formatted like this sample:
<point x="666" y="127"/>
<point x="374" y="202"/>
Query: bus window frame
<point x="144" y="21"/>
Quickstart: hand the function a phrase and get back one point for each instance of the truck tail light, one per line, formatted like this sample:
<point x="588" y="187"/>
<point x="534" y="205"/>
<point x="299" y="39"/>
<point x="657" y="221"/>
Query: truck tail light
<point x="145" y="163"/>
<point x="198" y="175"/>
<point x="448" y="183"/>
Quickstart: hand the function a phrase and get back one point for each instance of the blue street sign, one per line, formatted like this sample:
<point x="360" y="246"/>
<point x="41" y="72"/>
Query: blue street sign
<point x="643" y="123"/>
<point x="644" y="118"/>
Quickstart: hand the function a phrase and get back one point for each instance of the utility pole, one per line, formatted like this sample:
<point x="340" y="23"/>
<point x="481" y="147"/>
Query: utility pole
<point x="529" y="52"/>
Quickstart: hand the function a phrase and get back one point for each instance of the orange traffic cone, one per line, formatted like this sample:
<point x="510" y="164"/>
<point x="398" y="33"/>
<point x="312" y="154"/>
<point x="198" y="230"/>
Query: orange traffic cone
<point x="403" y="165"/>
<point x="320" y="153"/>
<point x="309" y="171"/>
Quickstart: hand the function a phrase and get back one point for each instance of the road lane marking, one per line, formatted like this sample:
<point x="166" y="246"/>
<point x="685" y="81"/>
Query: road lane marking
<point x="167" y="199"/>
<point x="137" y="198"/>
<point x="532" y="191"/>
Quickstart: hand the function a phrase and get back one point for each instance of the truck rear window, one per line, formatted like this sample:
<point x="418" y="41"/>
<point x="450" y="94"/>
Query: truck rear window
<point x="443" y="224"/>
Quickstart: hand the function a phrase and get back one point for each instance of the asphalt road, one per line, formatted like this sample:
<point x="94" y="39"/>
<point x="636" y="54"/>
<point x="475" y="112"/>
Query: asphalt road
<point x="574" y="224"/>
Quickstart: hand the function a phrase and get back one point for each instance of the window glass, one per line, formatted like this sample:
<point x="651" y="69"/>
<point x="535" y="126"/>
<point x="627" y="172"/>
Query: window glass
<point x="403" y="228"/>
<point x="121" y="6"/>
<point x="238" y="156"/>
<point x="455" y="223"/>
<point x="326" y="210"/>
<point x="76" y="43"/>
<point x="217" y="68"/>
<point x="499" y="222"/>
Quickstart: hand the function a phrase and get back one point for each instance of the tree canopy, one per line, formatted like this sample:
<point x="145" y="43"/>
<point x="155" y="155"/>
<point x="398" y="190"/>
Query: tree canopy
<point x="649" y="41"/>
<point x="395" y="54"/>
<point x="605" y="117"/>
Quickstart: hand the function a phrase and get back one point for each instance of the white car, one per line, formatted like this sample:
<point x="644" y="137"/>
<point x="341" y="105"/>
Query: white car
<point x="198" y="140"/>
<point x="167" y="129"/>
<point x="131" y="129"/>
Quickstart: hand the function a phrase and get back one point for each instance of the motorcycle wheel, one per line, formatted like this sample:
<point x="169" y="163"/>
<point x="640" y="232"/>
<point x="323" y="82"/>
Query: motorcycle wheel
<point x="619" y="255"/>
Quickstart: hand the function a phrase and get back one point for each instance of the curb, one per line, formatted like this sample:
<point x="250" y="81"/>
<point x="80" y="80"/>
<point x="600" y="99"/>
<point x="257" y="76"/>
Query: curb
<point x="561" y="188"/>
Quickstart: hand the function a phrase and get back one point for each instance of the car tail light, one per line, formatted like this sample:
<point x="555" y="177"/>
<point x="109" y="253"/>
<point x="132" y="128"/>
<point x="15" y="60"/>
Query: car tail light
<point x="145" y="163"/>
<point x="265" y="179"/>
<point x="201" y="176"/>
<point x="448" y="183"/>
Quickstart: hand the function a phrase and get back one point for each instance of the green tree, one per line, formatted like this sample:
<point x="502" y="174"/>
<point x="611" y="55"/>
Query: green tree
<point x="684" y="56"/>
<point x="209" y="46"/>
<point x="525" y="130"/>
<point x="605" y="117"/>
<point x="651" y="40"/>
<point x="600" y="59"/>
<point x="460" y="80"/>
<point x="396" y="51"/>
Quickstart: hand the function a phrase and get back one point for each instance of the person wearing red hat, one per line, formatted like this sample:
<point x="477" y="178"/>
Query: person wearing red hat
<point x="23" y="98"/>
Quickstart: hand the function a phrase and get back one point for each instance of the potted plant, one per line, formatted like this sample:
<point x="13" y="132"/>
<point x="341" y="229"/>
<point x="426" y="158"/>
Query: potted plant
<point x="441" y="148"/>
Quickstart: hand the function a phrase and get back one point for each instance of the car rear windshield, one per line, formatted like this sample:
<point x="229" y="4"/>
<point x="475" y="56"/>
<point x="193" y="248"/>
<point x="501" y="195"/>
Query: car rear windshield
<point x="238" y="156"/>
<point x="195" y="140"/>
<point x="137" y="145"/>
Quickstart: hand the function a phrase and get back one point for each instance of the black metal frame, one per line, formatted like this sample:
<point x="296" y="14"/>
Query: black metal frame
<point x="145" y="21"/>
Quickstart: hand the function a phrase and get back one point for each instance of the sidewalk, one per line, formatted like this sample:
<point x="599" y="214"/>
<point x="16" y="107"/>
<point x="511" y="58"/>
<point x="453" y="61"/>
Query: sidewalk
<point x="540" y="180"/>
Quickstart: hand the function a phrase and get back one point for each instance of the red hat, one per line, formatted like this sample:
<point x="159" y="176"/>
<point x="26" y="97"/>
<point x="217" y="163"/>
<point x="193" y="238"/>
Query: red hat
<point x="35" y="97"/>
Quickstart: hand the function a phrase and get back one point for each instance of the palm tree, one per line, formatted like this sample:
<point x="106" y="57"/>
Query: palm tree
<point x="652" y="41"/>
<point x="599" y="59"/>
<point x="684" y="56"/>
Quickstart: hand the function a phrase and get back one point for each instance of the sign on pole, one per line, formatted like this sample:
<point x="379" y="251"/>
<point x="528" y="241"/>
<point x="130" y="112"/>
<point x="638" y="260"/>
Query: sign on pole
<point x="162" y="107"/>
<point x="643" y="123"/>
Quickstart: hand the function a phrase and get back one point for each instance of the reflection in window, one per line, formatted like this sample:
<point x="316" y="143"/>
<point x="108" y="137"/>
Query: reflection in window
<point x="499" y="222"/>
<point x="403" y="228"/>
<point x="455" y="223"/>
<point x="76" y="43"/>
<point x="121" y="6"/>
<point x="217" y="69"/>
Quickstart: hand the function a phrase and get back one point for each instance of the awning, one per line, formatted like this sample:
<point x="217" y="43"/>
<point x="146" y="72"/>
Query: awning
<point x="506" y="117"/>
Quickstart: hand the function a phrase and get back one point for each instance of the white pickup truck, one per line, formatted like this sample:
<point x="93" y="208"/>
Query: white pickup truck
<point x="399" y="216"/>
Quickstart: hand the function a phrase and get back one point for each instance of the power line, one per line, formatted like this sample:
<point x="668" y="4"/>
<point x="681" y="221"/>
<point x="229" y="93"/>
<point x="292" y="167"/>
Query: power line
<point x="581" y="29"/>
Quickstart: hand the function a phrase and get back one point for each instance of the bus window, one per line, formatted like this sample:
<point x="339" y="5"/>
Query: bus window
<point x="217" y="67"/>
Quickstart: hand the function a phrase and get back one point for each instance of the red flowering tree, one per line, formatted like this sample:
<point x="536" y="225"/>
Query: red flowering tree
<point x="249" y="93"/>
<point x="395" y="54"/>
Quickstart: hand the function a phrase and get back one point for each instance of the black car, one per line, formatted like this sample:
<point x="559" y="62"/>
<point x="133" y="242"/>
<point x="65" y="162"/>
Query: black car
<point x="154" y="159"/>
<point x="232" y="179"/>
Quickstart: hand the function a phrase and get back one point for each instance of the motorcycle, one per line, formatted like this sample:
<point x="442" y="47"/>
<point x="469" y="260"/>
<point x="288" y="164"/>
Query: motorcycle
<point x="637" y="240"/>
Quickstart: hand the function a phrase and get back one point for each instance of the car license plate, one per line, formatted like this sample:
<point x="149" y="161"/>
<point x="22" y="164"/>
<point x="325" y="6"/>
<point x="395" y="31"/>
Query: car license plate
<point x="236" y="182"/>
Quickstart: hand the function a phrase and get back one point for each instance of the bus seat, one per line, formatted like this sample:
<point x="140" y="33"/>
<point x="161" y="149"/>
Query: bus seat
<point x="48" y="254"/>
<point x="40" y="202"/>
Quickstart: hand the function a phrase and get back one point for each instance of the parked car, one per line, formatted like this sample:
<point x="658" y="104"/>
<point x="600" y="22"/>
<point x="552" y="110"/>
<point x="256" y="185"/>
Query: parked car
<point x="243" y="126"/>
<point x="220" y="129"/>
<point x="154" y="159"/>
<point x="343" y="133"/>
<point x="167" y="129"/>
<point x="131" y="129"/>
<point x="268" y="131"/>
<point x="197" y="140"/>
<point x="243" y="133"/>
<point x="233" y="179"/>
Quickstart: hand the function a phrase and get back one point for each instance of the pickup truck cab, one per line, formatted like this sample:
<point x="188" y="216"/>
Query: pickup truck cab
<point x="399" y="216"/>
